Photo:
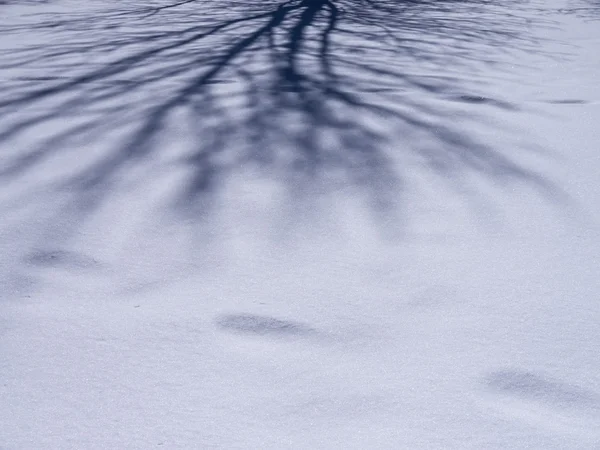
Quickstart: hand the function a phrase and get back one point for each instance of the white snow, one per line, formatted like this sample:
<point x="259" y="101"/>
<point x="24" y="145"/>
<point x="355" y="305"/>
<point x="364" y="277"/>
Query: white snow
<point x="451" y="300"/>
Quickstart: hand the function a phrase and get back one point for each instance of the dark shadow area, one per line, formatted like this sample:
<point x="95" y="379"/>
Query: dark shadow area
<point x="338" y="92"/>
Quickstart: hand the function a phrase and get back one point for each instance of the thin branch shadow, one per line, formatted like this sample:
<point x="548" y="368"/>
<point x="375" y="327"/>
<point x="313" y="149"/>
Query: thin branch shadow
<point x="586" y="9"/>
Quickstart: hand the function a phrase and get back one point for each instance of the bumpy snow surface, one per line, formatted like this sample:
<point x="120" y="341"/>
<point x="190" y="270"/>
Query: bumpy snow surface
<point x="300" y="224"/>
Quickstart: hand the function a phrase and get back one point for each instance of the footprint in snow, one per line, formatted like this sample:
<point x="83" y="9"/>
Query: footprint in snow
<point x="533" y="387"/>
<point x="546" y="402"/>
<point x="60" y="259"/>
<point x="265" y="326"/>
<point x="568" y="101"/>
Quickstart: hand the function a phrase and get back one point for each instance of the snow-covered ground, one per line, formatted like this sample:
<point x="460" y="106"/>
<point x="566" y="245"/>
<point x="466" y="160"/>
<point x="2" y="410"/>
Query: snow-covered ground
<point x="313" y="224"/>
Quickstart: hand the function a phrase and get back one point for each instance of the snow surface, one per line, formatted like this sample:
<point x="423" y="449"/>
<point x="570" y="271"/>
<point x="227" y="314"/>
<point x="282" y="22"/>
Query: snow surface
<point x="397" y="246"/>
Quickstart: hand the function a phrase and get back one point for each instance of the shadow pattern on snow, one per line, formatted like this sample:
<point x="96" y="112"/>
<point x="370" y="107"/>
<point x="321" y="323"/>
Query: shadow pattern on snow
<point x="305" y="91"/>
<point x="586" y="9"/>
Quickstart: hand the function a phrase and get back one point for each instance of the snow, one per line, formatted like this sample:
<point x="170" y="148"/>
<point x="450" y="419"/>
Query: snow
<point x="254" y="264"/>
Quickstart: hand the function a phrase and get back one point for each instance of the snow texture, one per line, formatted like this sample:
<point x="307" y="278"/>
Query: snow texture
<point x="300" y="224"/>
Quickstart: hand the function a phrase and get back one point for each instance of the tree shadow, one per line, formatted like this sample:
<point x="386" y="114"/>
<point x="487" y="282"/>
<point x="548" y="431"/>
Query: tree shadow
<point x="304" y="91"/>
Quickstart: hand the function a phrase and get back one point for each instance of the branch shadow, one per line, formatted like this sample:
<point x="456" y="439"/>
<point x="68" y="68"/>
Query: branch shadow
<point x="306" y="91"/>
<point x="586" y="9"/>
